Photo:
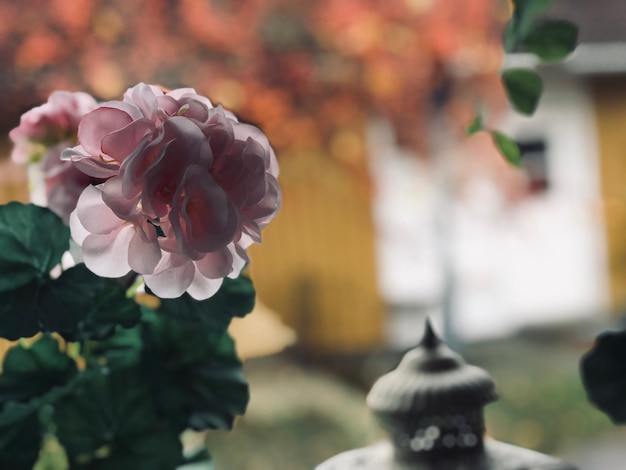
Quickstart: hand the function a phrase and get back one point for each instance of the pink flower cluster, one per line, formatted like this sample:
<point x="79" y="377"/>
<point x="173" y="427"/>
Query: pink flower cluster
<point x="44" y="132"/>
<point x="187" y="188"/>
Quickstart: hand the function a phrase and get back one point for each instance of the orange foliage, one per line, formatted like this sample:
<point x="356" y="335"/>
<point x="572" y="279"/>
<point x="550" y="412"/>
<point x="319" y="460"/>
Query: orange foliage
<point x="302" y="70"/>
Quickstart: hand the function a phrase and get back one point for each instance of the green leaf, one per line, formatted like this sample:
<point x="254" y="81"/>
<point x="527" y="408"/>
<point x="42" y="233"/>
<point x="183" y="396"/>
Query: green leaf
<point x="524" y="14"/>
<point x="196" y="380"/>
<point x="20" y="442"/>
<point x="122" y="350"/>
<point x="476" y="126"/>
<point x="20" y="311"/>
<point x="32" y="379"/>
<point x="93" y="305"/>
<point x="507" y="147"/>
<point x="551" y="40"/>
<point x="523" y="88"/>
<point x="234" y="299"/>
<point x="109" y="423"/>
<point x="79" y="305"/>
<point x="32" y="242"/>
<point x="603" y="372"/>
<point x="33" y="372"/>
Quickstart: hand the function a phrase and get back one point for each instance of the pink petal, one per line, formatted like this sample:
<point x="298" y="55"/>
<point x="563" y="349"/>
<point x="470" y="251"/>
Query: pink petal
<point x="145" y="98"/>
<point x="97" y="124"/>
<point x="202" y="288"/>
<point x="121" y="143"/>
<point x="107" y="255"/>
<point x="143" y="255"/>
<point x="170" y="282"/>
<point x="168" y="105"/>
<point x="123" y="207"/>
<point x="94" y="214"/>
<point x="89" y="165"/>
<point x="205" y="221"/>
<point x="244" y="132"/>
<point x="240" y="259"/>
<point x="79" y="233"/>
<point x="216" y="265"/>
<point x="135" y="166"/>
<point x="178" y="93"/>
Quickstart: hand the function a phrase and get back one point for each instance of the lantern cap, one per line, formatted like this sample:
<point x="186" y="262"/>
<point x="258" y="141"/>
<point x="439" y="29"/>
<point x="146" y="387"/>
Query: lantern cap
<point x="430" y="379"/>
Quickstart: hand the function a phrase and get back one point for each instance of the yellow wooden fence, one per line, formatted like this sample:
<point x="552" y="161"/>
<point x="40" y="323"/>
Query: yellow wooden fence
<point x="316" y="266"/>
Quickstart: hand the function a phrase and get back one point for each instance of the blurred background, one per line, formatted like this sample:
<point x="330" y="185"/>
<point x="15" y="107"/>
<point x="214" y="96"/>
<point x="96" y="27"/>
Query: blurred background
<point x="391" y="213"/>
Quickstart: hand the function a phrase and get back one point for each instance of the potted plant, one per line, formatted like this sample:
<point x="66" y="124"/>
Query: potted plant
<point x="119" y="291"/>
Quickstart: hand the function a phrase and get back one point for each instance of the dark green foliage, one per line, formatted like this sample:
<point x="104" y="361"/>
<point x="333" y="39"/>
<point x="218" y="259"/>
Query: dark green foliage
<point x="20" y="441"/>
<point x="551" y="40"/>
<point x="476" y="126"/>
<point x="32" y="378"/>
<point x="79" y="305"/>
<point x="525" y="12"/>
<point x="33" y="372"/>
<point x="147" y="376"/>
<point x="523" y="88"/>
<point x="32" y="242"/>
<point x="234" y="299"/>
<point x="107" y="423"/>
<point x="507" y="147"/>
<point x="603" y="372"/>
<point x="196" y="381"/>
<point x="97" y="305"/>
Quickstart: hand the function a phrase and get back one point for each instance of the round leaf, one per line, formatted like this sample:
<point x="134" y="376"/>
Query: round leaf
<point x="79" y="305"/>
<point x="32" y="242"/>
<point x="195" y="380"/>
<point x="551" y="40"/>
<point x="91" y="306"/>
<point x="523" y="89"/>
<point x="524" y="14"/>
<point x="32" y="372"/>
<point x="108" y="424"/>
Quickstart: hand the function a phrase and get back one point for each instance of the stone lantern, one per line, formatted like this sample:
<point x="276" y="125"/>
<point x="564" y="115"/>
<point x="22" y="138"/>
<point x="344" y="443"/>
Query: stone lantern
<point x="432" y="407"/>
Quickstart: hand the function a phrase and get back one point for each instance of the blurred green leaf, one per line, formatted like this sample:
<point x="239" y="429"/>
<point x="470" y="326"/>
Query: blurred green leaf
<point x="32" y="372"/>
<point x="31" y="379"/>
<point x="93" y="306"/>
<point x="551" y="40"/>
<point x="507" y="147"/>
<point x="196" y="380"/>
<point x="524" y="14"/>
<point x="32" y="242"/>
<point x="122" y="350"/>
<point x="523" y="88"/>
<point x="235" y="298"/>
<point x="603" y="372"/>
<point x="79" y="305"/>
<point x="476" y="126"/>
<point x="108" y="422"/>
<point x="20" y="442"/>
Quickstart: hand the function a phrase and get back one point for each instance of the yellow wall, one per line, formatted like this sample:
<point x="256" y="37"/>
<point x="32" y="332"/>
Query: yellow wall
<point x="316" y="266"/>
<point x="610" y="99"/>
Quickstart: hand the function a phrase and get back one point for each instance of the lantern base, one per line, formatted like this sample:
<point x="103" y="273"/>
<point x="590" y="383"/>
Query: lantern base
<point x="496" y="456"/>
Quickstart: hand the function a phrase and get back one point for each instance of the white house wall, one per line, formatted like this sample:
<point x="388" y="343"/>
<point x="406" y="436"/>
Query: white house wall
<point x="540" y="261"/>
